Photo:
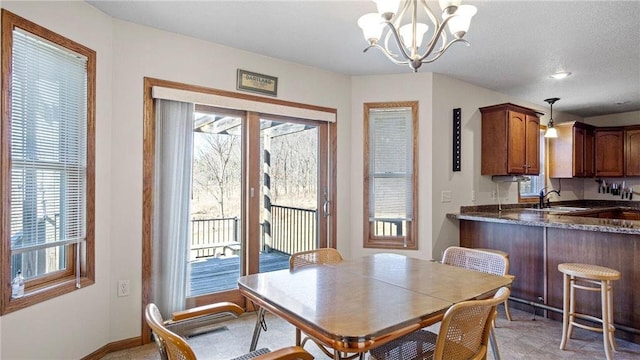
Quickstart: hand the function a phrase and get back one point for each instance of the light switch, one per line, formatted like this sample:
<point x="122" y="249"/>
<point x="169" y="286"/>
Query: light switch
<point x="445" y="196"/>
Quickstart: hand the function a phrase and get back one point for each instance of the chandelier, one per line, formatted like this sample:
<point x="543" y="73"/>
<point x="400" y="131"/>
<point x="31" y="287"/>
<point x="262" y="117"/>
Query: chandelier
<point x="408" y="35"/>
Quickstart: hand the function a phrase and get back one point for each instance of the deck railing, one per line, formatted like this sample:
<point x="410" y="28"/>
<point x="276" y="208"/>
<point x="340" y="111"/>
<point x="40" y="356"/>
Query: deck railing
<point x="292" y="230"/>
<point x="213" y="237"/>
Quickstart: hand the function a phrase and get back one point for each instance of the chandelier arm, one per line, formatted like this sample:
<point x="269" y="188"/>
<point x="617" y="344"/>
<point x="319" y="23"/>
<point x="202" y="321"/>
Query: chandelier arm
<point x="397" y="18"/>
<point x="435" y="22"/>
<point x="394" y="23"/>
<point x="394" y="32"/>
<point x="389" y="55"/>
<point x="386" y="45"/>
<point x="442" y="51"/>
<point x="434" y="42"/>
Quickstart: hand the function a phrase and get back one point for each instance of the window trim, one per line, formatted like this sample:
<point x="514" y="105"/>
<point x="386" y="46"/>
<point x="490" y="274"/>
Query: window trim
<point x="370" y="240"/>
<point x="57" y="283"/>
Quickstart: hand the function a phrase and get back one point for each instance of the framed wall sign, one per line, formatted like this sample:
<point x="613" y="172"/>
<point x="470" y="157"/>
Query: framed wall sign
<point x="258" y="83"/>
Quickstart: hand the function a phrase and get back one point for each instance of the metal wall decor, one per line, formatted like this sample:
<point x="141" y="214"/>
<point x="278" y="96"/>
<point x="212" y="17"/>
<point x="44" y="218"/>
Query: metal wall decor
<point x="457" y="139"/>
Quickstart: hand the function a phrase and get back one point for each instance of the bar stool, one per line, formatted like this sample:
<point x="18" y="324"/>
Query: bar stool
<point x="507" y="310"/>
<point x="589" y="274"/>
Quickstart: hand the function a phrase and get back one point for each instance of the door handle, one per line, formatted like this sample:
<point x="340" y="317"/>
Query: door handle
<point x="325" y="205"/>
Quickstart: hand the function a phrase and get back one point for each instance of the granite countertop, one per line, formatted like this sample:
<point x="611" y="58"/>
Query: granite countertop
<point x="519" y="215"/>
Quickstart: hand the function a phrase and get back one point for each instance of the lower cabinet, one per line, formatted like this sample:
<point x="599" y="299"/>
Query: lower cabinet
<point x="534" y="259"/>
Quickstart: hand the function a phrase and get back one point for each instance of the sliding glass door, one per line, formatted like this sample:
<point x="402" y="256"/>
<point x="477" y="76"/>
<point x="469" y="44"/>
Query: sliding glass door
<point x="259" y="193"/>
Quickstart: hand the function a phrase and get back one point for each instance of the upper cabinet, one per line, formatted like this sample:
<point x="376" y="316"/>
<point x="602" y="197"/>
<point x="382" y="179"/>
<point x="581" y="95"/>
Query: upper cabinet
<point x="609" y="152"/>
<point x="571" y="154"/>
<point x="510" y="140"/>
<point x="632" y="151"/>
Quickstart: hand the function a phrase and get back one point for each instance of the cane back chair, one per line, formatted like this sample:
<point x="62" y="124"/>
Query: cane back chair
<point x="171" y="346"/>
<point x="464" y="334"/>
<point x="318" y="256"/>
<point x="487" y="261"/>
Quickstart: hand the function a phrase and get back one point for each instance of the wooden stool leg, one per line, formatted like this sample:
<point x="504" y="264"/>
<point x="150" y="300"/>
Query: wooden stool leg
<point x="606" y="334"/>
<point x="612" y="337"/>
<point x="572" y="304"/>
<point x="565" y="310"/>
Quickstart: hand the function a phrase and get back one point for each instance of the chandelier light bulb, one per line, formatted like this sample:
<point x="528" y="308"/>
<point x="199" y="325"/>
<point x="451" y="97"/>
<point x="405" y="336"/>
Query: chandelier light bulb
<point x="387" y="8"/>
<point x="461" y="20"/>
<point x="551" y="132"/>
<point x="406" y="34"/>
<point x="452" y="4"/>
<point x="372" y="26"/>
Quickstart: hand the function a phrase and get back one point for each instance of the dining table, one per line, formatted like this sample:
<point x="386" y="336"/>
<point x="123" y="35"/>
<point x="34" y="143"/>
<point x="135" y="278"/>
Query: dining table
<point x="356" y="305"/>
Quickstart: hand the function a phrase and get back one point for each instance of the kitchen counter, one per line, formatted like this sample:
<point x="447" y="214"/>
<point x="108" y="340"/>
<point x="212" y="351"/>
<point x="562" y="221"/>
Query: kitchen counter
<point x="565" y="220"/>
<point x="538" y="241"/>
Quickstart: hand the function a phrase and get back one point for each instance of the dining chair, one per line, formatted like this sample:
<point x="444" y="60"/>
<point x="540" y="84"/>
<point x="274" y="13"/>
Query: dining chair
<point x="490" y="262"/>
<point x="317" y="256"/>
<point x="172" y="346"/>
<point x="311" y="257"/>
<point x="496" y="263"/>
<point x="463" y="334"/>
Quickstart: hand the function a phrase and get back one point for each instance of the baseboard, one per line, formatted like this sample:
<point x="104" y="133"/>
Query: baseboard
<point x="114" y="346"/>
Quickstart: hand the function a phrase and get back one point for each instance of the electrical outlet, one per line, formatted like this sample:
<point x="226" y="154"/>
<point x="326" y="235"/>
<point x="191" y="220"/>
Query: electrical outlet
<point x="493" y="195"/>
<point x="123" y="288"/>
<point x="445" y="196"/>
<point x="473" y="196"/>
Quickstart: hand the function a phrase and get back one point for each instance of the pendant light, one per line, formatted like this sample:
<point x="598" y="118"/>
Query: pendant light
<point x="551" y="130"/>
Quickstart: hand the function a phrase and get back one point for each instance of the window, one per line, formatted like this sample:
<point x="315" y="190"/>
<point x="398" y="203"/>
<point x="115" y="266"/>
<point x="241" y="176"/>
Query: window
<point x="47" y="155"/>
<point x="390" y="175"/>
<point x="529" y="190"/>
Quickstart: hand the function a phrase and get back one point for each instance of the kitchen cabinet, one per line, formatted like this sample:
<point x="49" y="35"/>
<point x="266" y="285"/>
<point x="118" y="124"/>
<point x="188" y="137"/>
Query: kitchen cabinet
<point x="632" y="151"/>
<point x="609" y="151"/>
<point x="510" y="140"/>
<point x="571" y="154"/>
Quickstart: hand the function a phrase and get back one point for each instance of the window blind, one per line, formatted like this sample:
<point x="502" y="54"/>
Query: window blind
<point x="391" y="164"/>
<point x="48" y="153"/>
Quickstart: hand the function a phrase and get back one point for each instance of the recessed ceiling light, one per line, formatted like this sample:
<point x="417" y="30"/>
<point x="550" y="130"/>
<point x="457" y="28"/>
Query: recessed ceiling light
<point x="560" y="75"/>
<point x="621" y="102"/>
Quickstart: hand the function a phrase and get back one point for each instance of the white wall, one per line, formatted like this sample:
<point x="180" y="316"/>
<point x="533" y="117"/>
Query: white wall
<point x="438" y="96"/>
<point x="126" y="53"/>
<point x="75" y="324"/>
<point x="387" y="88"/>
<point x="141" y="51"/>
<point x="450" y="93"/>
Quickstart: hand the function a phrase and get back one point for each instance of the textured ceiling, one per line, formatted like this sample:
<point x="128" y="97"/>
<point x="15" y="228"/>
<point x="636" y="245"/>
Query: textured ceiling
<point x="516" y="45"/>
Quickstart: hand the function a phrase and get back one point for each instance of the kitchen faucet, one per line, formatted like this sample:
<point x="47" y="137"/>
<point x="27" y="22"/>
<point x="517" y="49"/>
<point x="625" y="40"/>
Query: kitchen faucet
<point x="542" y="195"/>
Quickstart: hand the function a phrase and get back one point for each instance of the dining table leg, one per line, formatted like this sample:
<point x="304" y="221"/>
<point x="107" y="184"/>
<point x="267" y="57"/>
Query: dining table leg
<point x="257" y="329"/>
<point x="494" y="344"/>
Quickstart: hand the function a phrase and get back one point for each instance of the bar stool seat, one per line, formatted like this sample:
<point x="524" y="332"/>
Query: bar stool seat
<point x="591" y="278"/>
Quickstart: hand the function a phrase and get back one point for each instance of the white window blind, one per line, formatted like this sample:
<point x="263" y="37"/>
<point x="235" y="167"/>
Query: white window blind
<point x="391" y="164"/>
<point x="48" y="154"/>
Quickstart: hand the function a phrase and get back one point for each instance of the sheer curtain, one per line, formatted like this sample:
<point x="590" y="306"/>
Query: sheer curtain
<point x="172" y="186"/>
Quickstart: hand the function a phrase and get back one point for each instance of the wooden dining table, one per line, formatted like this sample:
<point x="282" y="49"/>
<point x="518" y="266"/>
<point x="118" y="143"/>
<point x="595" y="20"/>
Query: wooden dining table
<point x="356" y="305"/>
